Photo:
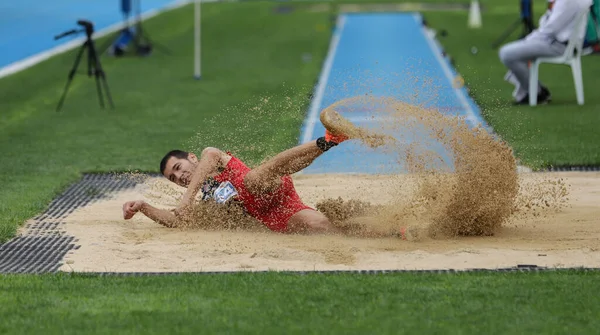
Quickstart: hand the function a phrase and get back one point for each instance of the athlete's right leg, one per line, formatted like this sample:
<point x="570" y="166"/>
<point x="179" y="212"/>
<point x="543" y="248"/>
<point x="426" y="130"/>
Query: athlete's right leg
<point x="309" y="221"/>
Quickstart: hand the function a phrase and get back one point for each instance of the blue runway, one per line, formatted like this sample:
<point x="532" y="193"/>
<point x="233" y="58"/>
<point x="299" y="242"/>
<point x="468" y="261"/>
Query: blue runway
<point x="385" y="55"/>
<point x="28" y="27"/>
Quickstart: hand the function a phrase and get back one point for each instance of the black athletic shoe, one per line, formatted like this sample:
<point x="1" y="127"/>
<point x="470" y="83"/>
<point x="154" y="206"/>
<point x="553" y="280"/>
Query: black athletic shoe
<point x="543" y="97"/>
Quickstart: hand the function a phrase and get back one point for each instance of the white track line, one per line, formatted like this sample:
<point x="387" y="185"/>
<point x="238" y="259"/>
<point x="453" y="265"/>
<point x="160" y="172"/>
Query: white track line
<point x="42" y="56"/>
<point x="315" y="105"/>
<point x="438" y="55"/>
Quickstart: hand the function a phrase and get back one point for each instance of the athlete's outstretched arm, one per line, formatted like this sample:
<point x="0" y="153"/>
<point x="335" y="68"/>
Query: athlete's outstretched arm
<point x="210" y="160"/>
<point x="160" y="216"/>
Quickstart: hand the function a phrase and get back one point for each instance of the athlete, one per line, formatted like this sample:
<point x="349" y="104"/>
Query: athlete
<point x="266" y="192"/>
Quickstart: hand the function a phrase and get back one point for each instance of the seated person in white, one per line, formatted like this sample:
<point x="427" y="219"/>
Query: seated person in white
<point x="549" y="40"/>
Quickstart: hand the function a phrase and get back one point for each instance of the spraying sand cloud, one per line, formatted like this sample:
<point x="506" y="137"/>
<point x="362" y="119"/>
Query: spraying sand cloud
<point x="464" y="179"/>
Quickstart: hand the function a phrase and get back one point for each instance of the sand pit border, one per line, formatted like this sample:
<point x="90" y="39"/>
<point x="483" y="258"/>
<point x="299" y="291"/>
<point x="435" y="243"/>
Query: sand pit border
<point x="42" y="244"/>
<point x="519" y="268"/>
<point x="575" y="168"/>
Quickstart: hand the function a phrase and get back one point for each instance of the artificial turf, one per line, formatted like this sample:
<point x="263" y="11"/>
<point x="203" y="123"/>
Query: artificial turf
<point x="261" y="66"/>
<point x="274" y="303"/>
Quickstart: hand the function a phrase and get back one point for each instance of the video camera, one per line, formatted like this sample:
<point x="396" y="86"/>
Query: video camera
<point x="88" y="28"/>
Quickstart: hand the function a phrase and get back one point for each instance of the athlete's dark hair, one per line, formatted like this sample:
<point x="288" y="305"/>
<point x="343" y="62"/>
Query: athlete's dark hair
<point x="172" y="153"/>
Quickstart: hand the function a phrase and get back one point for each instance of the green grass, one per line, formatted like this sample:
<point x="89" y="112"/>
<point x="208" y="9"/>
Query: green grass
<point x="253" y="68"/>
<point x="272" y="303"/>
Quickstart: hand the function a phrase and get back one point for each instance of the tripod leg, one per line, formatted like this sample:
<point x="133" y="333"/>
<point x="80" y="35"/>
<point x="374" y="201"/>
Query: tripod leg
<point x="158" y="46"/>
<point x="141" y="36"/>
<point x="99" y="90"/>
<point x="93" y="69"/>
<point x="507" y="33"/>
<point x="71" y="74"/>
<point x="528" y="26"/>
<point x="110" y="101"/>
<point x="100" y="76"/>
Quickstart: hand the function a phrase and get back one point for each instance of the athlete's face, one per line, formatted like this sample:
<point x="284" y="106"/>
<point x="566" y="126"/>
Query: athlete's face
<point x="179" y="170"/>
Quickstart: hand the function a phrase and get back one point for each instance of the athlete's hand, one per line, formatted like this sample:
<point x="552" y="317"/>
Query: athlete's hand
<point x="132" y="207"/>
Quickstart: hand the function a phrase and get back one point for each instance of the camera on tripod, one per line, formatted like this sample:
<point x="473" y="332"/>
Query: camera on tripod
<point x="88" y="26"/>
<point x="93" y="67"/>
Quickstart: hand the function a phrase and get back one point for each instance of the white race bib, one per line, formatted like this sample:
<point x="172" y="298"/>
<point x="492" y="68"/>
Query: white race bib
<point x="224" y="192"/>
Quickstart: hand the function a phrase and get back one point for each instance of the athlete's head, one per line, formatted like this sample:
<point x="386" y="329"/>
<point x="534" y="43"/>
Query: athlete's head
<point x="177" y="166"/>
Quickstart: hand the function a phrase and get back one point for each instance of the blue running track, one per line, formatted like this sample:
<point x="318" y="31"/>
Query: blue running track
<point x="386" y="55"/>
<point x="28" y="27"/>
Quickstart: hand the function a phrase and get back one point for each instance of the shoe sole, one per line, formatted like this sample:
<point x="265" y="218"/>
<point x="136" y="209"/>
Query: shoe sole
<point x="338" y="125"/>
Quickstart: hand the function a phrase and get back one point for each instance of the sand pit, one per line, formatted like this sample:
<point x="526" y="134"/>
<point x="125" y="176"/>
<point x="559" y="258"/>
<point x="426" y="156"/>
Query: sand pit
<point x="461" y="197"/>
<point x="564" y="237"/>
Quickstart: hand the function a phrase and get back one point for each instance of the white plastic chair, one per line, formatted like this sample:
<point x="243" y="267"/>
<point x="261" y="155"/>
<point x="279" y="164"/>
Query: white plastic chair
<point x="571" y="57"/>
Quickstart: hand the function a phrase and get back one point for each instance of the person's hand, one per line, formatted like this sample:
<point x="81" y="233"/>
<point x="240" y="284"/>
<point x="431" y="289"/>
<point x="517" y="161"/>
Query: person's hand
<point x="131" y="207"/>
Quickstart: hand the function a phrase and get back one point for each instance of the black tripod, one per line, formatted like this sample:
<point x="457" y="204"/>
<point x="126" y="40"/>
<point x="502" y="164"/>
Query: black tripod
<point x="143" y="48"/>
<point x="94" y="66"/>
<point x="526" y="20"/>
